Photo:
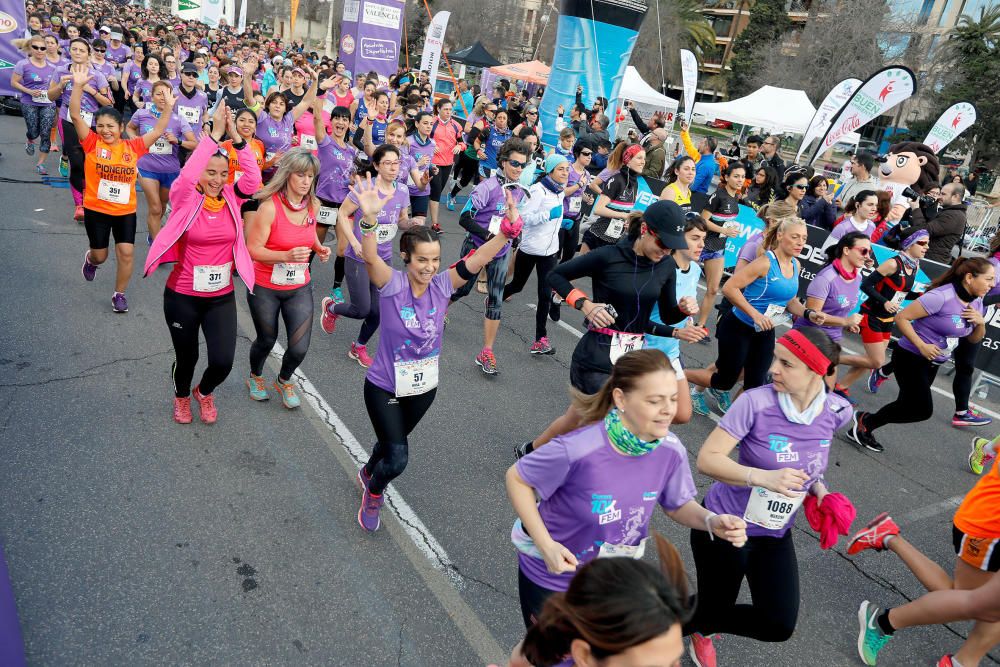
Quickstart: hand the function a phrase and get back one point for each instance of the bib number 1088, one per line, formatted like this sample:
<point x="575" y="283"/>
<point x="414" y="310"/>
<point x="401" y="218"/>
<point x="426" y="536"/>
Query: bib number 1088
<point x="778" y="506"/>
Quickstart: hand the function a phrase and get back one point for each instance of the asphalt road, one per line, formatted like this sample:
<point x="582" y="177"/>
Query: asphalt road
<point x="132" y="540"/>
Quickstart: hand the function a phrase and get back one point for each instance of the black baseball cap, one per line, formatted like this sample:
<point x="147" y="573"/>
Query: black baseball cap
<point x="189" y="68"/>
<point x="666" y="220"/>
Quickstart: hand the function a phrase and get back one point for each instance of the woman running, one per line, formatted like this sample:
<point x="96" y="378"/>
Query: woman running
<point x="392" y="216"/>
<point x="447" y="135"/>
<point x="159" y="168"/>
<point x="109" y="199"/>
<point x="468" y="168"/>
<point x="362" y="105"/>
<point x="276" y="125"/>
<point x="625" y="462"/>
<point x="152" y="70"/>
<point x="859" y="213"/>
<point x="95" y="96"/>
<point x="31" y="78"/>
<point x="680" y="176"/>
<point x="931" y="327"/>
<point x="762" y="292"/>
<point x="214" y="87"/>
<point x="576" y="195"/>
<point x="886" y="288"/>
<point x="374" y="124"/>
<point x="280" y="239"/>
<point x="615" y="202"/>
<point x="204" y="237"/>
<point x="975" y="534"/>
<point x="783" y="431"/>
<point x="720" y="220"/>
<point x="420" y="149"/>
<point x="628" y="279"/>
<point x="491" y="140"/>
<point x="542" y="214"/>
<point x="401" y="384"/>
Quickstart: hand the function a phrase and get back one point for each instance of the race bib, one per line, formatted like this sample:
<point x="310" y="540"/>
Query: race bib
<point x="208" y="278"/>
<point x="950" y="345"/>
<point x="308" y="141"/>
<point x="88" y="117"/>
<point x="575" y="203"/>
<point x="417" y="376"/>
<point x="769" y="509"/>
<point x="623" y="343"/>
<point x="495" y="223"/>
<point x="385" y="233"/>
<point x="775" y="313"/>
<point x="731" y="225"/>
<point x="114" y="192"/>
<point x="41" y="97"/>
<point x="898" y="298"/>
<point x="327" y="215"/>
<point x="269" y="156"/>
<point x="289" y="273"/>
<point x="615" y="228"/>
<point x="636" y="551"/>
<point x="675" y="363"/>
<point x="161" y="147"/>
<point x="190" y="114"/>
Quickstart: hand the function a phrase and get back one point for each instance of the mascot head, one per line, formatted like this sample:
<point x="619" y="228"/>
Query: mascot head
<point x="910" y="163"/>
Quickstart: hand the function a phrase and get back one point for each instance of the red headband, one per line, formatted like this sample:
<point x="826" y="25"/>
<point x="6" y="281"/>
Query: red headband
<point x="630" y="153"/>
<point x="796" y="343"/>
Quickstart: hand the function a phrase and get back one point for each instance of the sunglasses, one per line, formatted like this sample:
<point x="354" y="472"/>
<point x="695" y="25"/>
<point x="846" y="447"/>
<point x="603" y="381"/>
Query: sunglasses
<point x="411" y="116"/>
<point x="531" y="113"/>
<point x="189" y="74"/>
<point x="864" y="251"/>
<point x="517" y="164"/>
<point x="37" y="48"/>
<point x="921" y="243"/>
<point x="801" y="187"/>
<point x="586" y="153"/>
<point x="659" y="243"/>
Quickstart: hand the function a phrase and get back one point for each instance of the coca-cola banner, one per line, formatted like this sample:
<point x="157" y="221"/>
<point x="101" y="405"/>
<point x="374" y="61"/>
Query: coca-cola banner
<point x="832" y="103"/>
<point x="953" y="122"/>
<point x="881" y="92"/>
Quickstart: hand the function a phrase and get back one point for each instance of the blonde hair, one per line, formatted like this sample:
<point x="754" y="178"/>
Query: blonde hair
<point x="771" y="235"/>
<point x="296" y="161"/>
<point x="776" y="210"/>
<point x="625" y="375"/>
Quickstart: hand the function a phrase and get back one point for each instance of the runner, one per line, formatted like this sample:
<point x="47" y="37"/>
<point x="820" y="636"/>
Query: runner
<point x="31" y="78"/>
<point x="861" y="209"/>
<point x="599" y="486"/>
<point x="420" y="149"/>
<point x="401" y="384"/>
<point x="204" y="236"/>
<point x="110" y="164"/>
<point x="576" y="196"/>
<point x="542" y="213"/>
<point x="447" y="136"/>
<point x="751" y="249"/>
<point x="95" y="95"/>
<point x="930" y="328"/>
<point x="975" y="535"/>
<point x="192" y="103"/>
<point x="159" y="168"/>
<point x="468" y="168"/>
<point x="492" y="140"/>
<point x="482" y="216"/>
<point x="618" y="195"/>
<point x="276" y="125"/>
<point x="392" y="216"/>
<point x="151" y="70"/>
<point x="374" y="123"/>
<point x="280" y="239"/>
<point x="720" y="220"/>
<point x="628" y="279"/>
<point x="680" y="176"/>
<point x="765" y="485"/>
<point x="362" y="103"/>
<point x="246" y="127"/>
<point x="761" y="293"/>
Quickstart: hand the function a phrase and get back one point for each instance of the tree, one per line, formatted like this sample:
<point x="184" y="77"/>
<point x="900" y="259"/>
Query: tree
<point x="681" y="25"/>
<point x="768" y="23"/>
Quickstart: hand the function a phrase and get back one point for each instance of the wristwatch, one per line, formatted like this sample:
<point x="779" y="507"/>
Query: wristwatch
<point x="579" y="303"/>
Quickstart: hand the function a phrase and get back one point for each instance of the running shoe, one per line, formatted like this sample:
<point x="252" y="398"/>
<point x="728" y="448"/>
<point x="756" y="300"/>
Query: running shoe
<point x="368" y="515"/>
<point x="722" y="398"/>
<point x="873" y="536"/>
<point x="363" y="478"/>
<point x="555" y="311"/>
<point x="41" y="170"/>
<point x="701" y="650"/>
<point x="118" y="302"/>
<point x="861" y="435"/>
<point x="970" y="417"/>
<point x="29" y="147"/>
<point x="556" y="299"/>
<point x="871" y="639"/>
<point x="258" y="391"/>
<point x="487" y="361"/>
<point x="979" y="458"/>
<point x="206" y="405"/>
<point x="337" y="294"/>
<point x="449" y="202"/>
<point x="78" y="214"/>
<point x="64" y="166"/>
<point x="88" y="270"/>
<point x="360" y="354"/>
<point x="875" y="380"/>
<point x="946" y="661"/>
<point x="541" y="346"/>
<point x="327" y="318"/>
<point x="699" y="404"/>
<point x="182" y="410"/>
<point x="287" y="392"/>
<point x="844" y="392"/>
<point x="436" y="228"/>
<point x="520" y="451"/>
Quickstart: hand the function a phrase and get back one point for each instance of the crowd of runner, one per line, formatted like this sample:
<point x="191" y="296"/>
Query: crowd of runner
<point x="250" y="152"/>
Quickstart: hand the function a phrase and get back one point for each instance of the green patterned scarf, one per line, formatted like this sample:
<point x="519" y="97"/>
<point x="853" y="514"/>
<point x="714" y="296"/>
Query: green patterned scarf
<point x="624" y="440"/>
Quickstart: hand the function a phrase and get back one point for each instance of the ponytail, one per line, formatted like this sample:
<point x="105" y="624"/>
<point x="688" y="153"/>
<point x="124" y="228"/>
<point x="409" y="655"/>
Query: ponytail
<point x="625" y="375"/>
<point x="846" y="242"/>
<point x="961" y="267"/>
<point x="771" y="234"/>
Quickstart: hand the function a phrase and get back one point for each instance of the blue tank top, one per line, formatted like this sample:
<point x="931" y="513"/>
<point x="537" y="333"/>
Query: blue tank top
<point x="378" y="131"/>
<point x="687" y="285"/>
<point x="494" y="141"/>
<point x="362" y="112"/>
<point x="773" y="289"/>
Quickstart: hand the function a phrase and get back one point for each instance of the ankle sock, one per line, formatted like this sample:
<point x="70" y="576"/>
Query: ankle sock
<point x="884" y="624"/>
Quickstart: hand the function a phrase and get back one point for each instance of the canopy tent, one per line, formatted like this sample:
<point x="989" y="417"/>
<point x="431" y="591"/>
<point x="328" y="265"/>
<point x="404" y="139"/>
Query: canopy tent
<point x="474" y="56"/>
<point x="634" y="89"/>
<point x="779" y="110"/>
<point x="533" y="72"/>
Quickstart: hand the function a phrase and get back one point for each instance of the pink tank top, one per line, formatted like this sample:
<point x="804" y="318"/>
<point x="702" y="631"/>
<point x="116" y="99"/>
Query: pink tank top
<point x="286" y="235"/>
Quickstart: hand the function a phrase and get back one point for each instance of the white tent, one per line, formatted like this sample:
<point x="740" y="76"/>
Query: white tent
<point x="635" y="89"/>
<point x="779" y="110"/>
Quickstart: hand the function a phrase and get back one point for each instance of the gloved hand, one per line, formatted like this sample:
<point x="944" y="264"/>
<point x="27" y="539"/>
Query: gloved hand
<point x="567" y="223"/>
<point x="555" y="212"/>
<point x="511" y="229"/>
<point x="830" y="518"/>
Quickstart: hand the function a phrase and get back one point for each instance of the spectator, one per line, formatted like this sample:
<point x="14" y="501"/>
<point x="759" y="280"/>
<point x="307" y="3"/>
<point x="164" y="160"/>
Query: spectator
<point x="972" y="183"/>
<point x="464" y="107"/>
<point x="655" y="121"/>
<point x="595" y="132"/>
<point x="706" y="167"/>
<point x="600" y="104"/>
<point x="769" y="150"/>
<point x="862" y="178"/>
<point x="817" y="206"/>
<point x="762" y="190"/>
<point x="656" y="153"/>
<point x="845" y="170"/>
<point x="734" y="149"/>
<point x="882" y="210"/>
<point x="947" y="228"/>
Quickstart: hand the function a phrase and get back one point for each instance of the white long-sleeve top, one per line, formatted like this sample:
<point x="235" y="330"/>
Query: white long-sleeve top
<point x="542" y="214"/>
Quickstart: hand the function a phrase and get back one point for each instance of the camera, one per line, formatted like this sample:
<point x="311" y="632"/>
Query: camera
<point x="913" y="195"/>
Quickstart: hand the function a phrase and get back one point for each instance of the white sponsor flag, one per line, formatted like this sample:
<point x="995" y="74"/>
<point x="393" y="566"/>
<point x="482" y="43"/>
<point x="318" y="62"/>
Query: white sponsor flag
<point x="243" y="17"/>
<point x="953" y="122"/>
<point x="431" y="58"/>
<point x="689" y="73"/>
<point x="882" y="91"/>
<point x="820" y="122"/>
<point x="211" y="12"/>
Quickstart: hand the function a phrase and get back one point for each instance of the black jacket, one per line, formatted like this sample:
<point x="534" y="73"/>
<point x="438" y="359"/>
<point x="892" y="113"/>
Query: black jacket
<point x="946" y="229"/>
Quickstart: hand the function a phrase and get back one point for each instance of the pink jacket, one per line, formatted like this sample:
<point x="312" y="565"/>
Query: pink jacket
<point x="186" y="201"/>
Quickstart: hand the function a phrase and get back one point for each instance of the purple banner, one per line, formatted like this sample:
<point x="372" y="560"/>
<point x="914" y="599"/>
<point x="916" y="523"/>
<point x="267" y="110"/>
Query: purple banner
<point x="370" y="35"/>
<point x="12" y="26"/>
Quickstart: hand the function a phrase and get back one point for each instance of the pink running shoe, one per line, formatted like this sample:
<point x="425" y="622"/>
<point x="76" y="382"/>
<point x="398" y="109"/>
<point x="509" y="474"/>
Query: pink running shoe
<point x="182" y="410"/>
<point x="328" y="318"/>
<point x="702" y="651"/>
<point x="873" y="535"/>
<point x="360" y="355"/>
<point x="206" y="404"/>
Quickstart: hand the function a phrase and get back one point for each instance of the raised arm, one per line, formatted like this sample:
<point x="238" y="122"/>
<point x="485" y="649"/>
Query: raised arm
<point x="79" y="75"/>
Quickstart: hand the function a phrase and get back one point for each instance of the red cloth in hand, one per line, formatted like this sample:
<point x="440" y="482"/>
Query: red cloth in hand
<point x="830" y="518"/>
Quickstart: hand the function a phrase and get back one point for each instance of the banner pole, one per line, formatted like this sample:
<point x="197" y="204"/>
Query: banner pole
<point x="454" y="81"/>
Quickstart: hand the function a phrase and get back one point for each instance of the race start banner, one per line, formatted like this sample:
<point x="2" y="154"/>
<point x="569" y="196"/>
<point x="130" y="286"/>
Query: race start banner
<point x="953" y="122"/>
<point x="186" y="10"/>
<point x="430" y="60"/>
<point x="370" y="35"/>
<point x="882" y="91"/>
<point x="12" y="26"/>
<point x="832" y="103"/>
<point x="689" y="74"/>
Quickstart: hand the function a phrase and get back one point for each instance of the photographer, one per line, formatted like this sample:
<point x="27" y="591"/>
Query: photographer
<point x="947" y="227"/>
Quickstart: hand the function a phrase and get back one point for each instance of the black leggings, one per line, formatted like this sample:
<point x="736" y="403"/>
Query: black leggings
<point x="74" y="153"/>
<point x="964" y="357"/>
<point x="393" y="420"/>
<point x="741" y="348"/>
<point x="296" y="309"/>
<point x="338" y="271"/>
<point x="466" y="171"/>
<point x="532" y="597"/>
<point x="542" y="265"/>
<point x="569" y="241"/>
<point x="771" y="569"/>
<point x="915" y="376"/>
<point x="216" y="317"/>
<point x="438" y="182"/>
<point x="364" y="301"/>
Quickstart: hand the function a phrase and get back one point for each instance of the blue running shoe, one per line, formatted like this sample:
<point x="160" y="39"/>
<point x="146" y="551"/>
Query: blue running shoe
<point x="699" y="404"/>
<point x="722" y="398"/>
